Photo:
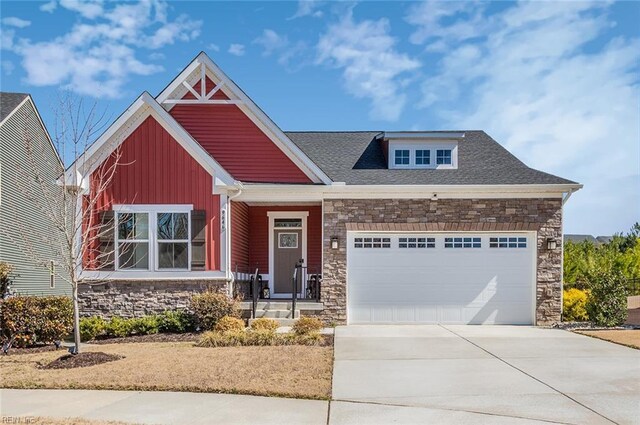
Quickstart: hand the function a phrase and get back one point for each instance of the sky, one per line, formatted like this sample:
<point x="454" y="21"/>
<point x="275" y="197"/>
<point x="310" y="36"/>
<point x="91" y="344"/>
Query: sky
<point x="556" y="83"/>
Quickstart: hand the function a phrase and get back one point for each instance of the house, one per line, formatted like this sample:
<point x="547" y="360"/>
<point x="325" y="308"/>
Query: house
<point x="25" y="231"/>
<point x="391" y="227"/>
<point x="599" y="240"/>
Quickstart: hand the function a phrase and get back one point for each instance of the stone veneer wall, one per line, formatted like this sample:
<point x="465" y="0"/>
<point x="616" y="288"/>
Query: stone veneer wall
<point x="541" y="215"/>
<point x="136" y="298"/>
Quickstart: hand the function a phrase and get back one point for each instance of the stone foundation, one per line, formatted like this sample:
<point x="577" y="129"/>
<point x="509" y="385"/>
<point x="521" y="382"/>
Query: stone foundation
<point x="544" y="216"/>
<point x="138" y="298"/>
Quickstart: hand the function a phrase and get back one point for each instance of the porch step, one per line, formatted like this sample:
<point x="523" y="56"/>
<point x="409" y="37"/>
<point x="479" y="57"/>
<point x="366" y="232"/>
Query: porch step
<point x="283" y="305"/>
<point x="276" y="314"/>
<point x="281" y="321"/>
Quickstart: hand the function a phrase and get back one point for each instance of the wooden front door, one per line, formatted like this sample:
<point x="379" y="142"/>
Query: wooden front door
<point x="287" y="251"/>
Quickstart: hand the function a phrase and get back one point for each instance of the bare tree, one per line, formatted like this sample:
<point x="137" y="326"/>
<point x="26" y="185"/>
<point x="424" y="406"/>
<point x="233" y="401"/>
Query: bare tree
<point x="69" y="200"/>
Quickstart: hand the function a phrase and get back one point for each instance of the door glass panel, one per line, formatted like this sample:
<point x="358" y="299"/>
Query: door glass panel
<point x="288" y="240"/>
<point x="287" y="222"/>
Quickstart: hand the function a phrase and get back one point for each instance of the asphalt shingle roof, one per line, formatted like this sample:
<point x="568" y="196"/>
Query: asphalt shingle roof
<point x="357" y="158"/>
<point x="9" y="102"/>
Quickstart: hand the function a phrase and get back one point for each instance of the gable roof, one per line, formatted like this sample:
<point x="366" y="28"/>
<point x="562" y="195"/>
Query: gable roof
<point x="357" y="158"/>
<point x="9" y="102"/>
<point x="203" y="67"/>
<point x="144" y="106"/>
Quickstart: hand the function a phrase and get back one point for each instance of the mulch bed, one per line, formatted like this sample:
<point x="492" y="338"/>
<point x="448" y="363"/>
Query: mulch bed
<point x="13" y="351"/>
<point x="69" y="361"/>
<point x="185" y="337"/>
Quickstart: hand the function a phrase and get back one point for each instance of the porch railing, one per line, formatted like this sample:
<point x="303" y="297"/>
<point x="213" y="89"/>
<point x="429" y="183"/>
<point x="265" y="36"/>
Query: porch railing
<point x="305" y="285"/>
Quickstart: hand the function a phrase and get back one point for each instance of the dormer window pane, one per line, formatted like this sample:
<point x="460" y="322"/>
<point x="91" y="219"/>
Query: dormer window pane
<point x="423" y="157"/>
<point x="443" y="156"/>
<point x="402" y="157"/>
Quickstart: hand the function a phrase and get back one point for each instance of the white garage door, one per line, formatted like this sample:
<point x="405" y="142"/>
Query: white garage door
<point x="440" y="278"/>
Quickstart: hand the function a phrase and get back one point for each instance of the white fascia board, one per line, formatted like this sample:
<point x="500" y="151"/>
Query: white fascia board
<point x="145" y="106"/>
<point x="422" y="135"/>
<point x="292" y="193"/>
<point x="253" y="112"/>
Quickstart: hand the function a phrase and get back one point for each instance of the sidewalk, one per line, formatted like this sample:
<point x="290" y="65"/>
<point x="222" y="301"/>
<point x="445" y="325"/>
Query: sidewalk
<point x="162" y="408"/>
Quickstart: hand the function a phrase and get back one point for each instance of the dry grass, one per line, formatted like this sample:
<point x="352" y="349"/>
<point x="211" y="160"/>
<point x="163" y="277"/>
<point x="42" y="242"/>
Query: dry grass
<point x="29" y="420"/>
<point x="286" y="371"/>
<point x="630" y="338"/>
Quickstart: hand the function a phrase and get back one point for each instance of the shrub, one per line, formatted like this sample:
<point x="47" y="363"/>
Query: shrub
<point x="607" y="304"/>
<point x="263" y="337"/>
<point x="91" y="327"/>
<point x="574" y="302"/>
<point x="209" y="307"/>
<point x="313" y="338"/>
<point x="219" y="339"/>
<point x="175" y="321"/>
<point x="31" y="319"/>
<point x="264" y="323"/>
<point x="229" y="324"/>
<point x="6" y="278"/>
<point x="306" y="325"/>
<point x="119" y="327"/>
<point x="145" y="325"/>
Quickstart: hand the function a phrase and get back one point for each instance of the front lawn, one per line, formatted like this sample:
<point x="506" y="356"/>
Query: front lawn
<point x="630" y="337"/>
<point x="287" y="371"/>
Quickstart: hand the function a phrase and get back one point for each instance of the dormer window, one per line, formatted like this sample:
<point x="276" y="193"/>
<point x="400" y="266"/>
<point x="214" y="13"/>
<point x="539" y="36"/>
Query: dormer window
<point x="423" y="157"/>
<point x="402" y="157"/>
<point x="443" y="156"/>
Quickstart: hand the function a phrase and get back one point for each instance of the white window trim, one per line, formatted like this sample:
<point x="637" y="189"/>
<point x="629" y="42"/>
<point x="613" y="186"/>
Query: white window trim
<point x="433" y="147"/>
<point x="272" y="215"/>
<point x="152" y="240"/>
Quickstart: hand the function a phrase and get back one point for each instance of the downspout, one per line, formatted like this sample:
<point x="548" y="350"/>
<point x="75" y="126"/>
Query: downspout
<point x="230" y="276"/>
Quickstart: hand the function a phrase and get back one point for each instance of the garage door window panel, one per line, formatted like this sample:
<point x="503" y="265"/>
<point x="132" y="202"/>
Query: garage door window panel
<point x="372" y="243"/>
<point x="463" y="242"/>
<point x="508" y="242"/>
<point x="416" y="242"/>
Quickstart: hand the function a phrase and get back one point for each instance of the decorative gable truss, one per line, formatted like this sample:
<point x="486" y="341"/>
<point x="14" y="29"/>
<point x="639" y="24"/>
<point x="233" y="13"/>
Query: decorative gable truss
<point x="191" y="87"/>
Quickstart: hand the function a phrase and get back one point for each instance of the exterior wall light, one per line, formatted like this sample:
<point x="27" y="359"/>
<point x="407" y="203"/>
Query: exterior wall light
<point x="551" y="244"/>
<point x="434" y="197"/>
<point x="334" y="243"/>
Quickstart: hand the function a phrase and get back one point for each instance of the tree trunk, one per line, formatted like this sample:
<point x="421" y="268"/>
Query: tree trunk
<point x="76" y="319"/>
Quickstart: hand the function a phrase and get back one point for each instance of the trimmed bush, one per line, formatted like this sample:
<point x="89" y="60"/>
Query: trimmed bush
<point x="209" y="307"/>
<point x="574" y="305"/>
<point x="607" y="304"/>
<point x="219" y="339"/>
<point x="259" y="337"/>
<point x="91" y="327"/>
<point x="263" y="337"/>
<point x="119" y="327"/>
<point x="31" y="319"/>
<point x="229" y="324"/>
<point x="145" y="325"/>
<point x="176" y="321"/>
<point x="264" y="323"/>
<point x="306" y="325"/>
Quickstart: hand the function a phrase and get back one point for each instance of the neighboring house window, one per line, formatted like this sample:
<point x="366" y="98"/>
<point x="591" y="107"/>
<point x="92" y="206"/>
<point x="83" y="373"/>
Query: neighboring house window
<point x="507" y="242"/>
<point x="443" y="156"/>
<point x="402" y="157"/>
<point x="462" y="243"/>
<point x="153" y="240"/>
<point x="173" y="240"/>
<point x="133" y="241"/>
<point x="372" y="243"/>
<point x="423" y="157"/>
<point x="416" y="243"/>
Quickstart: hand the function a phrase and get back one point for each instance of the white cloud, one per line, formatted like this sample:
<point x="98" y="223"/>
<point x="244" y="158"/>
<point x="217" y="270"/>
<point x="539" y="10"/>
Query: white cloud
<point x="279" y="46"/>
<point x="49" y="6"/>
<point x="12" y="21"/>
<point x="236" y="49"/>
<point x="308" y="8"/>
<point x="371" y="64"/>
<point x="8" y="67"/>
<point x="99" y="53"/>
<point x="530" y="84"/>
<point x="213" y="47"/>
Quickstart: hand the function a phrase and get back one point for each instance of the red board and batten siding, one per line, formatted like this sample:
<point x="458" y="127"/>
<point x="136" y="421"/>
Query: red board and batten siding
<point x="236" y="142"/>
<point x="155" y="169"/>
<point x="259" y="235"/>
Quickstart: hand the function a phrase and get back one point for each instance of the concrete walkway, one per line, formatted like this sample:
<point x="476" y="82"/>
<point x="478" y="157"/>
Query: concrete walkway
<point x="162" y="408"/>
<point x="481" y="374"/>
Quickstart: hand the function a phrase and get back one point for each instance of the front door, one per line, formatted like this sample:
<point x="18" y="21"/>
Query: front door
<point x="287" y="251"/>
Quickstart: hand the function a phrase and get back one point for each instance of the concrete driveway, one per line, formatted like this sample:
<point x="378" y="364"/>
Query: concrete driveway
<point x="481" y="374"/>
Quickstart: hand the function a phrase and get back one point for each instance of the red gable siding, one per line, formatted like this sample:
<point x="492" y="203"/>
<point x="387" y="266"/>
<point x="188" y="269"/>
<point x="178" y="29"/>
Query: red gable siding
<point x="236" y="142"/>
<point x="154" y="169"/>
<point x="239" y="236"/>
<point x="259" y="235"/>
